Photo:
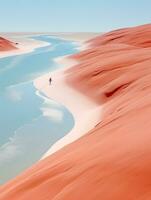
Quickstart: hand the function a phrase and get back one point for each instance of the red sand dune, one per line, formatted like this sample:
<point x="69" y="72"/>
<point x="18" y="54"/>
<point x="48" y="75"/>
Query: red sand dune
<point x="6" y="45"/>
<point x="112" y="162"/>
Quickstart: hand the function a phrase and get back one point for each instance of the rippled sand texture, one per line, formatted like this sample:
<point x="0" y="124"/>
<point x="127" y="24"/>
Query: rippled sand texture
<point x="112" y="162"/>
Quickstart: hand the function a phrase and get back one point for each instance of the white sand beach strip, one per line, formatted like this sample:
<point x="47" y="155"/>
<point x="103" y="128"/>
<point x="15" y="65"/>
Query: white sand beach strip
<point x="85" y="112"/>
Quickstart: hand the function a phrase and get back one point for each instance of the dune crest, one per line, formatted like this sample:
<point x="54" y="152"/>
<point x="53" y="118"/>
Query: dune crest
<point x="111" y="162"/>
<point x="6" y="45"/>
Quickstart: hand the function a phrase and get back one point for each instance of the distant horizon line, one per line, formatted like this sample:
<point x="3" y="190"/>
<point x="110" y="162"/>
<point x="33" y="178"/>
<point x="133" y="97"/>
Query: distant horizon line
<point x="64" y="32"/>
<point x="50" y="32"/>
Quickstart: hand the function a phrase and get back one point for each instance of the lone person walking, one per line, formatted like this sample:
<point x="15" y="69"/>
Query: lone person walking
<point x="50" y="80"/>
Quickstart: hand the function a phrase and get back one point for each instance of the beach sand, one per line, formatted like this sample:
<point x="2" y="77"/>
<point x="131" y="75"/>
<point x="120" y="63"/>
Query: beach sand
<point x="86" y="112"/>
<point x="79" y="37"/>
<point x="25" y="45"/>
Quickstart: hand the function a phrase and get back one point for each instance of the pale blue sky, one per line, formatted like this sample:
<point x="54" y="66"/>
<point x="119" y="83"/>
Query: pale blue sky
<point x="72" y="15"/>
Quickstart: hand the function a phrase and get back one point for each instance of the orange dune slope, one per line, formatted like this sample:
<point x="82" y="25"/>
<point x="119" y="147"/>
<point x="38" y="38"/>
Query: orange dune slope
<point x="6" y="45"/>
<point x="111" y="162"/>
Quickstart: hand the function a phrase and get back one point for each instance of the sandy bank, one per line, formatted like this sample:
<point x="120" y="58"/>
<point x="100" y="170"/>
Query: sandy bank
<point x="6" y="45"/>
<point x="79" y="37"/>
<point x="25" y="45"/>
<point x="86" y="113"/>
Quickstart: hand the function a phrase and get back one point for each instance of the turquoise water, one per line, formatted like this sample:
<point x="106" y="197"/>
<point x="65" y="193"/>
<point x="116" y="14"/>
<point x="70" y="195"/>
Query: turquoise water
<point x="25" y="132"/>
